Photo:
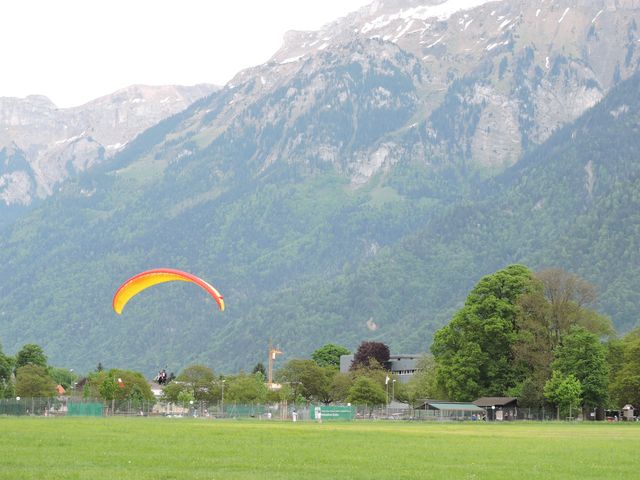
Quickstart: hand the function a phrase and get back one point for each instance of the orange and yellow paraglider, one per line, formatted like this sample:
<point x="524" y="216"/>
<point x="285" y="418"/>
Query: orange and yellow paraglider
<point x="147" y="279"/>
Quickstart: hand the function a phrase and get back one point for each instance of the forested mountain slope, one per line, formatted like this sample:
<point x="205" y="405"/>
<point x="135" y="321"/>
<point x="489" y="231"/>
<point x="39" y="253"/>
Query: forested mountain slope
<point x="336" y="197"/>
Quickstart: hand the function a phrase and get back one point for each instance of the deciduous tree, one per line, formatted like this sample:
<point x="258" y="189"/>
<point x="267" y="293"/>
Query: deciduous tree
<point x="33" y="381"/>
<point x="367" y="392"/>
<point x="119" y="385"/>
<point x="564" y="391"/>
<point x="582" y="355"/>
<point x="314" y="381"/>
<point x="423" y="384"/>
<point x="474" y="352"/>
<point x="31" y="354"/>
<point x="6" y="370"/>
<point x="625" y="387"/>
<point x="199" y="380"/>
<point x="245" y="389"/>
<point x="545" y="317"/>
<point x="329" y="355"/>
<point x="570" y="297"/>
<point x="368" y="352"/>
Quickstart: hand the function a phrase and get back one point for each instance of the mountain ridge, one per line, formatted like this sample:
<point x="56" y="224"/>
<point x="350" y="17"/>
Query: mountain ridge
<point x="58" y="142"/>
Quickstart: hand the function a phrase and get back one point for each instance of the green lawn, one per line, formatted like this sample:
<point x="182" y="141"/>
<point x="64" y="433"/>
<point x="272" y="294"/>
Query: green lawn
<point x="164" y="448"/>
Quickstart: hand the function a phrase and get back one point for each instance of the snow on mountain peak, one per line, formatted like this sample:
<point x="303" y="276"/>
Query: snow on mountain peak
<point x="442" y="11"/>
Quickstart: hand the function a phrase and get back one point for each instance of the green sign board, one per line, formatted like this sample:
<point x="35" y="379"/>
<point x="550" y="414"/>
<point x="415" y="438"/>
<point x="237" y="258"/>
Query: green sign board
<point x="332" y="412"/>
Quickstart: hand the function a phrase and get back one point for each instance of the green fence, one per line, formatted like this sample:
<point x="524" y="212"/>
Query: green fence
<point x="31" y="406"/>
<point x="84" y="409"/>
<point x="244" y="410"/>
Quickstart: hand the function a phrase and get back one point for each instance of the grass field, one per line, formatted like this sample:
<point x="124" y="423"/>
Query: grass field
<point x="163" y="448"/>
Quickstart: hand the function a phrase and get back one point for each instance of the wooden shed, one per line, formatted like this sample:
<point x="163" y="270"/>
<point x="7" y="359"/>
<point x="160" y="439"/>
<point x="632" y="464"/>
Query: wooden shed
<point x="499" y="408"/>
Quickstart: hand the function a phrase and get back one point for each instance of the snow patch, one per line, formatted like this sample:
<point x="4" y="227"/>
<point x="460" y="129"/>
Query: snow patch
<point x="71" y="139"/>
<point x="291" y="59"/>
<point x="116" y="146"/>
<point x="494" y="45"/>
<point x="435" y="43"/>
<point x="565" y="12"/>
<point x="597" y="15"/>
<point x="404" y="30"/>
<point x="442" y="12"/>
<point x="504" y="24"/>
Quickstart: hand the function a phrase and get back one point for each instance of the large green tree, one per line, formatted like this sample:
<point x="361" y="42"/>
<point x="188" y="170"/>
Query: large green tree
<point x="474" y="352"/>
<point x="582" y="355"/>
<point x="199" y="381"/>
<point x="329" y="355"/>
<point x="367" y="392"/>
<point x="546" y="315"/>
<point x="6" y="370"/>
<point x="569" y="300"/>
<point x="340" y="385"/>
<point x="33" y="381"/>
<point x="565" y="392"/>
<point x="245" y="389"/>
<point x="625" y="386"/>
<point x="120" y="385"/>
<point x="313" y="380"/>
<point x="31" y="354"/>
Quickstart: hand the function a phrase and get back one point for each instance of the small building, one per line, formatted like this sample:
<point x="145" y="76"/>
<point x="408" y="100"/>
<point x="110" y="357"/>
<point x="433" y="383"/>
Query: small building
<point x="499" y="408"/>
<point x="628" y="412"/>
<point x="445" y="410"/>
<point x="156" y="389"/>
<point x="403" y="366"/>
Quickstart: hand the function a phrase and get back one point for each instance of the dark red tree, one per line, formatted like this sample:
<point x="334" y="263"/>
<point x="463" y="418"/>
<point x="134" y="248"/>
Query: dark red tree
<point x="367" y="351"/>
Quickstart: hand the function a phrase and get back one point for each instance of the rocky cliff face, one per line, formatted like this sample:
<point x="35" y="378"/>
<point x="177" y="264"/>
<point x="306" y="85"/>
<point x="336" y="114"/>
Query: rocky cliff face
<point x="460" y="85"/>
<point x="497" y="77"/>
<point x="41" y="145"/>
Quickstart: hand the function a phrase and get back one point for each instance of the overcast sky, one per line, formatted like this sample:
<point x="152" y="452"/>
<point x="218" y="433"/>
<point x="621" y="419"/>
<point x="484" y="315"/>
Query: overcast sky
<point x="73" y="51"/>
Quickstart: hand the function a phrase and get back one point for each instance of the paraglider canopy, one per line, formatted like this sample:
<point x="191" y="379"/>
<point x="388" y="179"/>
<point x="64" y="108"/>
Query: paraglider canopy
<point x="147" y="279"/>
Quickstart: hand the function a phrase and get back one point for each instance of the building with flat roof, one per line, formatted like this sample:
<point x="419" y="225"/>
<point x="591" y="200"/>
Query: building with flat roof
<point x="402" y="366"/>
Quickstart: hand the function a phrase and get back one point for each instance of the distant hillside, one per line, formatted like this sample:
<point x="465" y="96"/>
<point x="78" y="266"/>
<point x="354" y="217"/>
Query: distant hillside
<point x="42" y="145"/>
<point x="341" y="194"/>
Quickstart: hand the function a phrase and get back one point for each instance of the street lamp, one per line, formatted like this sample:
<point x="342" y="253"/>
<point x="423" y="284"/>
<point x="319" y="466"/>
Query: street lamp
<point x="393" y="390"/>
<point x="71" y="383"/>
<point x="222" y="399"/>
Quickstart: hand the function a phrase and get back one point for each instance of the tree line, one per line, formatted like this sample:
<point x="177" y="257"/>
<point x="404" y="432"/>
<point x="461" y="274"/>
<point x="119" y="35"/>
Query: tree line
<point x="537" y="337"/>
<point x="534" y="336"/>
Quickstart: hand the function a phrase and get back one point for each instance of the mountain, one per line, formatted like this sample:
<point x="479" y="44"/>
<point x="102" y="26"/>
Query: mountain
<point x="42" y="145"/>
<point x="513" y="70"/>
<point x="352" y="188"/>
